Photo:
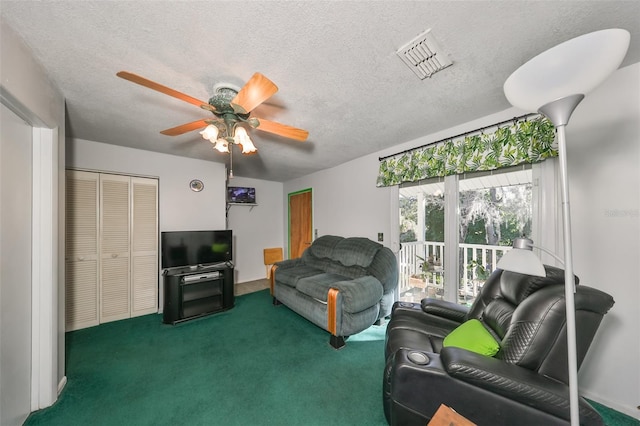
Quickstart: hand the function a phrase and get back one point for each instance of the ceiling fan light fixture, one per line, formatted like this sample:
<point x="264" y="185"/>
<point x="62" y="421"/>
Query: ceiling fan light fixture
<point x="210" y="133"/>
<point x="240" y="135"/>
<point x="248" y="147"/>
<point x="222" y="146"/>
<point x="242" y="138"/>
<point x="230" y="105"/>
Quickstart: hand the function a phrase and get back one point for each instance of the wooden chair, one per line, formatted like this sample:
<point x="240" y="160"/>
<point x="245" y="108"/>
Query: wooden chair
<point x="271" y="256"/>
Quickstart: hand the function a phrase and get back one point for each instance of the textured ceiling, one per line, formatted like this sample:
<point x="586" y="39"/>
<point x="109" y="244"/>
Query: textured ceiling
<point x="334" y="62"/>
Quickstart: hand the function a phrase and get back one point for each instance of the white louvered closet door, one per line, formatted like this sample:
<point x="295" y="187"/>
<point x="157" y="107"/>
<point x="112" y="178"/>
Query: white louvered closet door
<point x="81" y="265"/>
<point x="144" y="246"/>
<point x="114" y="247"/>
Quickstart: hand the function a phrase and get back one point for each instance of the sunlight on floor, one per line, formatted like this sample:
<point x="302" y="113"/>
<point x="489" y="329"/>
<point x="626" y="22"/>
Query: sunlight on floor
<point x="373" y="333"/>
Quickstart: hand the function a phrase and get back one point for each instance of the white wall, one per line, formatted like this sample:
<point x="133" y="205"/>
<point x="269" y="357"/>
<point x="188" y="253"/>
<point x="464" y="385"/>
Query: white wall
<point x="603" y="144"/>
<point x="255" y="227"/>
<point x="181" y="209"/>
<point x="26" y="88"/>
<point x="346" y="202"/>
<point x="15" y="267"/>
<point x="604" y="172"/>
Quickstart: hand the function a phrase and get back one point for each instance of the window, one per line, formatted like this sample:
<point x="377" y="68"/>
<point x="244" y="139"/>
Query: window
<point x="490" y="210"/>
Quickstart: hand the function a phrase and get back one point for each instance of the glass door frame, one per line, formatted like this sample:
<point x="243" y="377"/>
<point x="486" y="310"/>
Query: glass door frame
<point x="544" y="211"/>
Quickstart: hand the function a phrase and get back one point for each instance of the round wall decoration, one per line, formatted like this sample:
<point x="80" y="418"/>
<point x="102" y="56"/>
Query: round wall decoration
<point x="196" y="185"/>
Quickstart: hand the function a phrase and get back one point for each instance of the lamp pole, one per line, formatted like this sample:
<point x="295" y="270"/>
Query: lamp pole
<point x="559" y="112"/>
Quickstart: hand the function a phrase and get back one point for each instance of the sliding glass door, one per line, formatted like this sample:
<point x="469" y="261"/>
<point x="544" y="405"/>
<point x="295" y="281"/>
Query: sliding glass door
<point x="454" y="230"/>
<point x="422" y="226"/>
<point x="494" y="210"/>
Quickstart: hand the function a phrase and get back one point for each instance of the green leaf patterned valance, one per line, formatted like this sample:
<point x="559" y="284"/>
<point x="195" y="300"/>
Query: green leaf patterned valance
<point x="527" y="141"/>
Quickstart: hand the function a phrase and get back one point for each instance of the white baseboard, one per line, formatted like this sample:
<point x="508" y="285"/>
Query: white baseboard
<point x="62" y="384"/>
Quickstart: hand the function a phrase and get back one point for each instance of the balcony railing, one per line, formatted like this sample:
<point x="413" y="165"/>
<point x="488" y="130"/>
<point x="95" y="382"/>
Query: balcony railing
<point x="416" y="283"/>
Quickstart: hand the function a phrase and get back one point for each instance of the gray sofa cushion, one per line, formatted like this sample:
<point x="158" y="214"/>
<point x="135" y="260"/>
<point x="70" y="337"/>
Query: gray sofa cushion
<point x="360" y="293"/>
<point x="323" y="246"/>
<point x="355" y="251"/>
<point x="291" y="276"/>
<point x="357" y="294"/>
<point x="385" y="268"/>
<point x="318" y="286"/>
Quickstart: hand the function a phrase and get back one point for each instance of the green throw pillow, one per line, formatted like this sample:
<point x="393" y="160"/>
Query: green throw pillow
<point x="472" y="336"/>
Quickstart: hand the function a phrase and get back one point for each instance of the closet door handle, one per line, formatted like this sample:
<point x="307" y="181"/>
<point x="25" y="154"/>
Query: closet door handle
<point x="114" y="255"/>
<point x="81" y="258"/>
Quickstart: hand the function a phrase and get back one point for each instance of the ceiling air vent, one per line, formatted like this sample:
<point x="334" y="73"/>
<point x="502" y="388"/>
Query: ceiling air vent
<point x="424" y="56"/>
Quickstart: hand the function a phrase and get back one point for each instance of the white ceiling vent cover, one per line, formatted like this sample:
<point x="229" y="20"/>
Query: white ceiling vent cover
<point x="424" y="56"/>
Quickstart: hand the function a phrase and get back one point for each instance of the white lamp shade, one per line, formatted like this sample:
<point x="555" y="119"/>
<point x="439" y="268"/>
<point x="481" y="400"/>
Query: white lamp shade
<point x="210" y="133"/>
<point x="240" y="134"/>
<point x="574" y="67"/>
<point x="523" y="262"/>
<point x="248" y="147"/>
<point x="242" y="138"/>
<point x="222" y="145"/>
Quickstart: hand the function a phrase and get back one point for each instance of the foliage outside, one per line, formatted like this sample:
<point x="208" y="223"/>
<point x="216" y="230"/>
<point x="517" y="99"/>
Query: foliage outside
<point x="489" y="216"/>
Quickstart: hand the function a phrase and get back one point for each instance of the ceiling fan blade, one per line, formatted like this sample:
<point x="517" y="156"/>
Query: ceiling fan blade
<point x="163" y="89"/>
<point x="184" y="128"/>
<point x="282" y="130"/>
<point x="257" y="90"/>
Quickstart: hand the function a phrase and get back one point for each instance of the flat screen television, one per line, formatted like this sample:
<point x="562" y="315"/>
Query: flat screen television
<point x="241" y="195"/>
<point x="193" y="248"/>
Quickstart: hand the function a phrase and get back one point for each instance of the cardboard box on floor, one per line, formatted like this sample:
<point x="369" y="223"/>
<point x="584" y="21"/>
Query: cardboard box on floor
<point x="446" y="416"/>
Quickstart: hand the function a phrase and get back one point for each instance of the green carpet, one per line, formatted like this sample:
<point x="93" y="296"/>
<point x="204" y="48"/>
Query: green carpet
<point x="255" y="364"/>
<point x="614" y="418"/>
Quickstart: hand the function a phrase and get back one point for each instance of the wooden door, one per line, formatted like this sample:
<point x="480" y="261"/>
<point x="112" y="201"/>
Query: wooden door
<point x="300" y="222"/>
<point x="81" y="287"/>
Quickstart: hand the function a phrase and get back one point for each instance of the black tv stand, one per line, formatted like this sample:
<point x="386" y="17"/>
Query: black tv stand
<point x="197" y="291"/>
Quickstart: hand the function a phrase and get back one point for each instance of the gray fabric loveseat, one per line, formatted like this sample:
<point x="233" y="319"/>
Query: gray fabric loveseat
<point x="343" y="285"/>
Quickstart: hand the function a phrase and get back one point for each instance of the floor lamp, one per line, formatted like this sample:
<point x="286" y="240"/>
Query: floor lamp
<point x="553" y="83"/>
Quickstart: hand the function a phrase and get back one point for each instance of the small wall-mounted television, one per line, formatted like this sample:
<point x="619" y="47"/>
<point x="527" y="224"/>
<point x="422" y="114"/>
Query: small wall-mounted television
<point x="196" y="248"/>
<point x="241" y="195"/>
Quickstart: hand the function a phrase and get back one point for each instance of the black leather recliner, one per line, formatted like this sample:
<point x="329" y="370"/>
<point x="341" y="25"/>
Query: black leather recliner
<point x="525" y="383"/>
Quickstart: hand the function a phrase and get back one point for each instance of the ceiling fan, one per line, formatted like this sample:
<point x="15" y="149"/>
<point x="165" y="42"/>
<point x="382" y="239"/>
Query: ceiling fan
<point x="230" y="108"/>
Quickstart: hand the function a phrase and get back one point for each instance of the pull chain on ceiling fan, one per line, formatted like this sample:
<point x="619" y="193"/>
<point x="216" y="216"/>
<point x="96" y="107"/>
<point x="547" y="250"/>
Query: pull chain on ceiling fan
<point x="230" y="108"/>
